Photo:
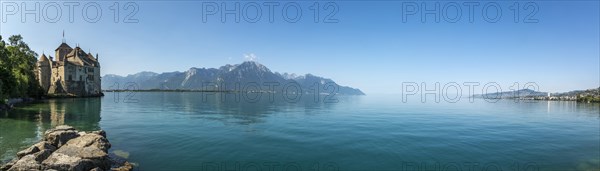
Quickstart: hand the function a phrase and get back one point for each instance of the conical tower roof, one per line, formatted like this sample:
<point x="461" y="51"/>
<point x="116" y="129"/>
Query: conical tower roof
<point x="64" y="45"/>
<point x="43" y="58"/>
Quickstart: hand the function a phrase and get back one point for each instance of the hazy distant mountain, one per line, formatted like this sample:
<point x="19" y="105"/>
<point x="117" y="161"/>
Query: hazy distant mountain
<point x="532" y="93"/>
<point x="593" y="92"/>
<point x="589" y="95"/>
<point x="512" y="94"/>
<point x="229" y="77"/>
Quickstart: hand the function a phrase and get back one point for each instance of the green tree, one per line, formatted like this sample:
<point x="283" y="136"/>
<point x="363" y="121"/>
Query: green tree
<point x="5" y="76"/>
<point x="17" y="64"/>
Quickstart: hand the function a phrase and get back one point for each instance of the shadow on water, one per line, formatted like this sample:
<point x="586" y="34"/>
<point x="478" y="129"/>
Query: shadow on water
<point x="26" y="124"/>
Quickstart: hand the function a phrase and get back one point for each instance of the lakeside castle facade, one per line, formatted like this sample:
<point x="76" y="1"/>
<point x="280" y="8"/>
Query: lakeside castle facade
<point x="73" y="73"/>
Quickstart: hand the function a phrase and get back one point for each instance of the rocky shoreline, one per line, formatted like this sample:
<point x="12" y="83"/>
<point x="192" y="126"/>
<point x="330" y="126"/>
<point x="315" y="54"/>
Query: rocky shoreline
<point x="65" y="148"/>
<point x="10" y="103"/>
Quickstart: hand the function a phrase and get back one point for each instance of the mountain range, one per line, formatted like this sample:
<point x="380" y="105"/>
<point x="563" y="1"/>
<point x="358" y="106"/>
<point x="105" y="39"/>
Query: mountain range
<point x="247" y="76"/>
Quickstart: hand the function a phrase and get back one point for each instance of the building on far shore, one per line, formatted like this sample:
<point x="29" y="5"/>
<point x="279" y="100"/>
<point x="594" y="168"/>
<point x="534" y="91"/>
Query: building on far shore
<point x="73" y="73"/>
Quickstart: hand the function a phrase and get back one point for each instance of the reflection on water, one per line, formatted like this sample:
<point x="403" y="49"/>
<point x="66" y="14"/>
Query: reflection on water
<point x="225" y="107"/>
<point x="25" y="125"/>
<point x="572" y="107"/>
<point x="186" y="130"/>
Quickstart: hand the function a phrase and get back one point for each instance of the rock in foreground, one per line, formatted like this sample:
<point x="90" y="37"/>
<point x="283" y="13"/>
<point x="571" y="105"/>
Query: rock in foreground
<point x="64" y="148"/>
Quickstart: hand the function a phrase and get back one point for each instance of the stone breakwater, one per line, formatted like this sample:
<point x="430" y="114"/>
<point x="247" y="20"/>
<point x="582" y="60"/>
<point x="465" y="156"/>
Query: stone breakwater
<point x="64" y="148"/>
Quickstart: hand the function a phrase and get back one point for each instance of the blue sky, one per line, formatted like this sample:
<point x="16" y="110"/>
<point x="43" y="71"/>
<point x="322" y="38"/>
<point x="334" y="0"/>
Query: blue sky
<point x="370" y="47"/>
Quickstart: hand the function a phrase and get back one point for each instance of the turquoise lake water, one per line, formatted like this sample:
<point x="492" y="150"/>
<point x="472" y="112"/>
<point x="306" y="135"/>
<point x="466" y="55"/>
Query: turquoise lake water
<point x="200" y="131"/>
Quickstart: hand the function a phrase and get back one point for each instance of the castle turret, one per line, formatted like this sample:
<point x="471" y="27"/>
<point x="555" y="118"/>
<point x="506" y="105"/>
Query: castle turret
<point x="44" y="72"/>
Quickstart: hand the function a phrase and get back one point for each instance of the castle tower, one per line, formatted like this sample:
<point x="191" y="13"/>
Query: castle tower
<point x="44" y="72"/>
<point x="62" y="51"/>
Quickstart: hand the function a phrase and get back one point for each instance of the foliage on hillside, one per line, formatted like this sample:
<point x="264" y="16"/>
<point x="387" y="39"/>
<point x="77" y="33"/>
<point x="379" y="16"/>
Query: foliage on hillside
<point x="588" y="99"/>
<point x="17" y="63"/>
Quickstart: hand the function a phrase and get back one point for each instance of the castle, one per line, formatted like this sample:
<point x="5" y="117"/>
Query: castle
<point x="74" y="73"/>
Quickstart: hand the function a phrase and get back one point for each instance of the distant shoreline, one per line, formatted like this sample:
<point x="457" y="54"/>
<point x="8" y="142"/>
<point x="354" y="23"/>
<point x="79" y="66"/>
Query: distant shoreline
<point x="218" y="91"/>
<point x="543" y="99"/>
<point x="177" y="90"/>
<point x="589" y="95"/>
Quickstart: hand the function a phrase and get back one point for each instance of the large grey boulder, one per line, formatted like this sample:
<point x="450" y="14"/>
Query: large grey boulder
<point x="40" y="146"/>
<point x="60" y="135"/>
<point x="63" y="148"/>
<point x="82" y="153"/>
<point x="90" y="140"/>
<point x="27" y="162"/>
